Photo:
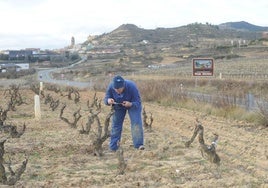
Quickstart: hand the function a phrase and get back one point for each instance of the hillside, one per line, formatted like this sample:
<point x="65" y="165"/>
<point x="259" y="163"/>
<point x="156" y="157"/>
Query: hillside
<point x="196" y="33"/>
<point x="149" y="46"/>
<point x="243" y="26"/>
<point x="59" y="156"/>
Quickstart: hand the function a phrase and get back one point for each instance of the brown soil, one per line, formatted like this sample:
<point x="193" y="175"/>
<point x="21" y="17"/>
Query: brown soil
<point x="60" y="157"/>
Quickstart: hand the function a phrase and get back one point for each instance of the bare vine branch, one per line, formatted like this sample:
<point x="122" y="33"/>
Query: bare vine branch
<point x="207" y="151"/>
<point x="14" y="175"/>
<point x="145" y="123"/>
<point x="76" y="117"/>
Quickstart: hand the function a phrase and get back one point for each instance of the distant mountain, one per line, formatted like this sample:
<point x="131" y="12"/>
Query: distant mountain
<point x="191" y="34"/>
<point x="195" y="40"/>
<point x="242" y="26"/>
<point x="126" y="33"/>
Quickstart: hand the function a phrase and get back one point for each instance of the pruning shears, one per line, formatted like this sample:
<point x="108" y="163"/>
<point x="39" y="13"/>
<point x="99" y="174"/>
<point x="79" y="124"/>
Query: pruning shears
<point x="118" y="103"/>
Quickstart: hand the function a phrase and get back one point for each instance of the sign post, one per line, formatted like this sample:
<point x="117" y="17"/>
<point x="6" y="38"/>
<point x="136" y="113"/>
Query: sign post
<point x="37" y="107"/>
<point x="203" y="66"/>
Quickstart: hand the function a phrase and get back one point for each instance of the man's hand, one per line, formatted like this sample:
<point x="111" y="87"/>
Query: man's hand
<point x="110" y="101"/>
<point x="127" y="104"/>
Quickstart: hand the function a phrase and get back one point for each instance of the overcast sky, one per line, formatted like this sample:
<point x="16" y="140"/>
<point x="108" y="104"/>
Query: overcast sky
<point x="50" y="24"/>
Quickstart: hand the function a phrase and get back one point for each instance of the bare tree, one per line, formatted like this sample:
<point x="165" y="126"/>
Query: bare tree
<point x="36" y="89"/>
<point x="75" y="93"/>
<point x="12" y="130"/>
<point x="53" y="104"/>
<point x="3" y="115"/>
<point x="102" y="135"/>
<point x="102" y="132"/>
<point x="94" y="109"/>
<point x="121" y="161"/>
<point x="207" y="151"/>
<point x="14" y="96"/>
<point x="145" y="123"/>
<point x="14" y="175"/>
<point x="76" y="117"/>
<point x="14" y="99"/>
<point x="54" y="88"/>
<point x="48" y="99"/>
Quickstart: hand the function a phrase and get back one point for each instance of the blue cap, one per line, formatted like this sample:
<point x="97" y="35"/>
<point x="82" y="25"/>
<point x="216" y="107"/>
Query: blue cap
<point x="118" y="82"/>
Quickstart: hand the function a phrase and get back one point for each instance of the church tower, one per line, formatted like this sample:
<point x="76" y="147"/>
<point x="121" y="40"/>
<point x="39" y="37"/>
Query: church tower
<point x="72" y="42"/>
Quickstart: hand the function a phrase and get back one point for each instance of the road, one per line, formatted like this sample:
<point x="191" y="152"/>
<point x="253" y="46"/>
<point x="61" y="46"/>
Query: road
<point x="45" y="76"/>
<point x="250" y="103"/>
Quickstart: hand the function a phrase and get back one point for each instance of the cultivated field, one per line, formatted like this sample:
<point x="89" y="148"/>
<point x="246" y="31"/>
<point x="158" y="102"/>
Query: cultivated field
<point x="59" y="156"/>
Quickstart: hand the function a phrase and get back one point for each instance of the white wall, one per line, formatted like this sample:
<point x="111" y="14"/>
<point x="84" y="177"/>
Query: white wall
<point x="23" y="65"/>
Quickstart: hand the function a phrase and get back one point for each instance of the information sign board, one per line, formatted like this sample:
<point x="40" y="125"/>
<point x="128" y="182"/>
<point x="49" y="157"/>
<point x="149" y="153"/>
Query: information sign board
<point x="203" y="66"/>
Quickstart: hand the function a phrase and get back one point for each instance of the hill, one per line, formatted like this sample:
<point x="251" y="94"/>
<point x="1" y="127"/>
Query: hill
<point x="243" y="26"/>
<point x="192" y="33"/>
<point x="129" y="46"/>
<point x="192" y="40"/>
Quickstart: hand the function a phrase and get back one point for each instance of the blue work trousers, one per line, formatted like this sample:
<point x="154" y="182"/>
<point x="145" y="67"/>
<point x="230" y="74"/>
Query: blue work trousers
<point x="136" y="126"/>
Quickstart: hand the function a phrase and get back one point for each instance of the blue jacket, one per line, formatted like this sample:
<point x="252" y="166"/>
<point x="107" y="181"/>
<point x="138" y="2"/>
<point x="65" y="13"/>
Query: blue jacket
<point x="130" y="93"/>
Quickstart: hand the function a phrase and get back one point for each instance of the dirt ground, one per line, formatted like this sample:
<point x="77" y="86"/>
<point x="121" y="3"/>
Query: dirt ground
<point x="59" y="156"/>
